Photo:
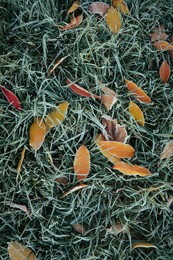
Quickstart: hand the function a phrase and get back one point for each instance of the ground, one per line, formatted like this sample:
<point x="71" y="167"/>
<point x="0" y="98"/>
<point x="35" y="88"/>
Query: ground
<point x="30" y="42"/>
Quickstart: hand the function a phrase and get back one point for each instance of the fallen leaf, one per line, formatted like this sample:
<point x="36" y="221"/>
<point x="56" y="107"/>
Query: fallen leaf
<point x="169" y="201"/>
<point x="76" y="188"/>
<point x="138" y="92"/>
<point x="74" y="7"/>
<point x="11" y="97"/>
<point x="114" y="131"/>
<point x="142" y="244"/>
<point x="20" y="163"/>
<point x="164" y="71"/>
<point x="82" y="163"/>
<point x="113" y="20"/>
<point x="56" y="117"/>
<point x="79" y="90"/>
<point x="75" y="22"/>
<point x="158" y="34"/>
<point x="163" y="46"/>
<point x="109" y="98"/>
<point x="118" y="228"/>
<point x="117" y="149"/>
<point x="57" y="63"/>
<point x="37" y="133"/>
<point x="171" y="51"/>
<point x="129" y="169"/>
<point x="137" y="113"/>
<point x="79" y="228"/>
<point x="17" y="206"/>
<point x="99" y="8"/>
<point x="121" y="6"/>
<point x="62" y="180"/>
<point x="167" y="151"/>
<point x="17" y="251"/>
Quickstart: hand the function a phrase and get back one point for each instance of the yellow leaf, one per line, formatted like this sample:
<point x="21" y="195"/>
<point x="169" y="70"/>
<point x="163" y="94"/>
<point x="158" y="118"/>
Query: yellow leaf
<point x="37" y="133"/>
<point x="17" y="251"/>
<point x="82" y="163"/>
<point x="137" y="113"/>
<point x="74" y="7"/>
<point x="142" y="244"/>
<point x="76" y="188"/>
<point x="129" y="169"/>
<point x="121" y="5"/>
<point x="55" y="117"/>
<point x="57" y="63"/>
<point x="20" y="162"/>
<point x="113" y="20"/>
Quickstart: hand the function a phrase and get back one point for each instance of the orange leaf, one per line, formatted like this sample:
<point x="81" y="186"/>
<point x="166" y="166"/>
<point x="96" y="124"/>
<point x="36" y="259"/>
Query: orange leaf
<point x="113" y="20"/>
<point x="109" y="98"/>
<point x="117" y="149"/>
<point x="82" y="163"/>
<point x="37" y="133"/>
<point x="98" y="8"/>
<point x="158" y="33"/>
<point x="163" y="46"/>
<point x="75" y="22"/>
<point x="121" y="5"/>
<point x="129" y="169"/>
<point x="20" y="162"/>
<point x="142" y="244"/>
<point x="137" y="113"/>
<point x="57" y="63"/>
<point x="138" y="92"/>
<point x="78" y="187"/>
<point x="167" y="151"/>
<point x="164" y="71"/>
<point x="74" y="7"/>
<point x="55" y="117"/>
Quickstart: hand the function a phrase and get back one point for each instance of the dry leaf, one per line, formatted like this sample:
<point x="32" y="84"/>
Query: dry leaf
<point x="158" y="34"/>
<point x="75" y="22"/>
<point x="164" y="71"/>
<point x="169" y="201"/>
<point x="114" y="131"/>
<point x="137" y="113"/>
<point x="79" y="228"/>
<point x="17" y="251"/>
<point x="57" y="63"/>
<point x="138" y="92"/>
<point x="129" y="169"/>
<point x="11" y="97"/>
<point x="121" y="6"/>
<point x="20" y="163"/>
<point x="98" y="8"/>
<point x="113" y="20"/>
<point x="118" y="228"/>
<point x="55" y="117"/>
<point x="142" y="244"/>
<point x="109" y="98"/>
<point x="76" y="188"/>
<point x="62" y="180"/>
<point x="82" y="163"/>
<point x="17" y="206"/>
<point x="117" y="149"/>
<point x="74" y="7"/>
<point x="167" y="151"/>
<point x="163" y="46"/>
<point x="79" y="90"/>
<point x="37" y="133"/>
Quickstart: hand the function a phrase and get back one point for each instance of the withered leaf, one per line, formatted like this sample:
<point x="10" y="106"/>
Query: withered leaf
<point x="74" y="7"/>
<point x="17" y="251"/>
<point x="118" y="228"/>
<point x="129" y="169"/>
<point x="76" y="188"/>
<point x="57" y="63"/>
<point x="82" y="163"/>
<point x="75" y="22"/>
<point x="98" y="8"/>
<point x="11" y="97"/>
<point x="163" y="46"/>
<point x="17" y="206"/>
<point x="137" y="113"/>
<point x="167" y="151"/>
<point x="109" y="98"/>
<point x="142" y="244"/>
<point x="79" y="228"/>
<point x="164" y="71"/>
<point x="113" y="20"/>
<point x="121" y="6"/>
<point x="158" y="34"/>
<point x="37" y="133"/>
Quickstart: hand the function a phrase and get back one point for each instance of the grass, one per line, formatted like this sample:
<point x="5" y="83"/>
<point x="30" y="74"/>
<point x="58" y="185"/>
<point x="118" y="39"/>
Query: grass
<point x="29" y="43"/>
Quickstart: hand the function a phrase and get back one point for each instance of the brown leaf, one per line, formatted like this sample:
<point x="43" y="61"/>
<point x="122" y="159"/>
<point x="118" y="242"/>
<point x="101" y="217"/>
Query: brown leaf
<point x="17" y="251"/>
<point x="79" y="228"/>
<point x="98" y="8"/>
<point x="114" y="131"/>
<point x="75" y="22"/>
<point x="57" y="63"/>
<point x="62" y="180"/>
<point x="167" y="151"/>
<point x="142" y="244"/>
<point x="20" y="162"/>
<point x="17" y="206"/>
<point x="74" y="7"/>
<point x="158" y="34"/>
<point x="109" y="98"/>
<point x="164" y="71"/>
<point x="113" y="20"/>
<point x="118" y="228"/>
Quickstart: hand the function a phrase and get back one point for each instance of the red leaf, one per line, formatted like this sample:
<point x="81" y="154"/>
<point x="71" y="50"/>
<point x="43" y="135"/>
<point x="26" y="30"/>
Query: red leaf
<point x="79" y="90"/>
<point x="11" y="97"/>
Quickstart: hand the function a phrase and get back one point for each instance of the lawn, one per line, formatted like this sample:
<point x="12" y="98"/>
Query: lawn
<point x="30" y="42"/>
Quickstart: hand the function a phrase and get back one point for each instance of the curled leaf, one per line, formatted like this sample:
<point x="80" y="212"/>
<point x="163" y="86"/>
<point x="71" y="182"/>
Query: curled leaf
<point x="11" y="97"/>
<point x="79" y="90"/>
<point x="57" y="63"/>
<point x="109" y="98"/>
<point x="163" y="46"/>
<point x="37" y="133"/>
<point x="118" y="228"/>
<point x="137" y="113"/>
<point x="17" y="251"/>
<point x="79" y="228"/>
<point x="20" y="162"/>
<point x="74" y="7"/>
<point x="164" y="71"/>
<point x="82" y="163"/>
<point x="167" y="151"/>
<point x="98" y="8"/>
<point x="17" y="206"/>
<point x="138" y="92"/>
<point x="117" y="149"/>
<point x="75" y="22"/>
<point x="121" y="6"/>
<point x="142" y="244"/>
<point x="55" y="117"/>
<point x="113" y="20"/>
<point x="76" y="188"/>
<point x="129" y="169"/>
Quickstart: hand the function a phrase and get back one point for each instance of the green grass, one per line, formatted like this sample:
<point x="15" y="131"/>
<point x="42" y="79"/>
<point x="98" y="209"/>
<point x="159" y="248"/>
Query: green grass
<point x="30" y="42"/>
